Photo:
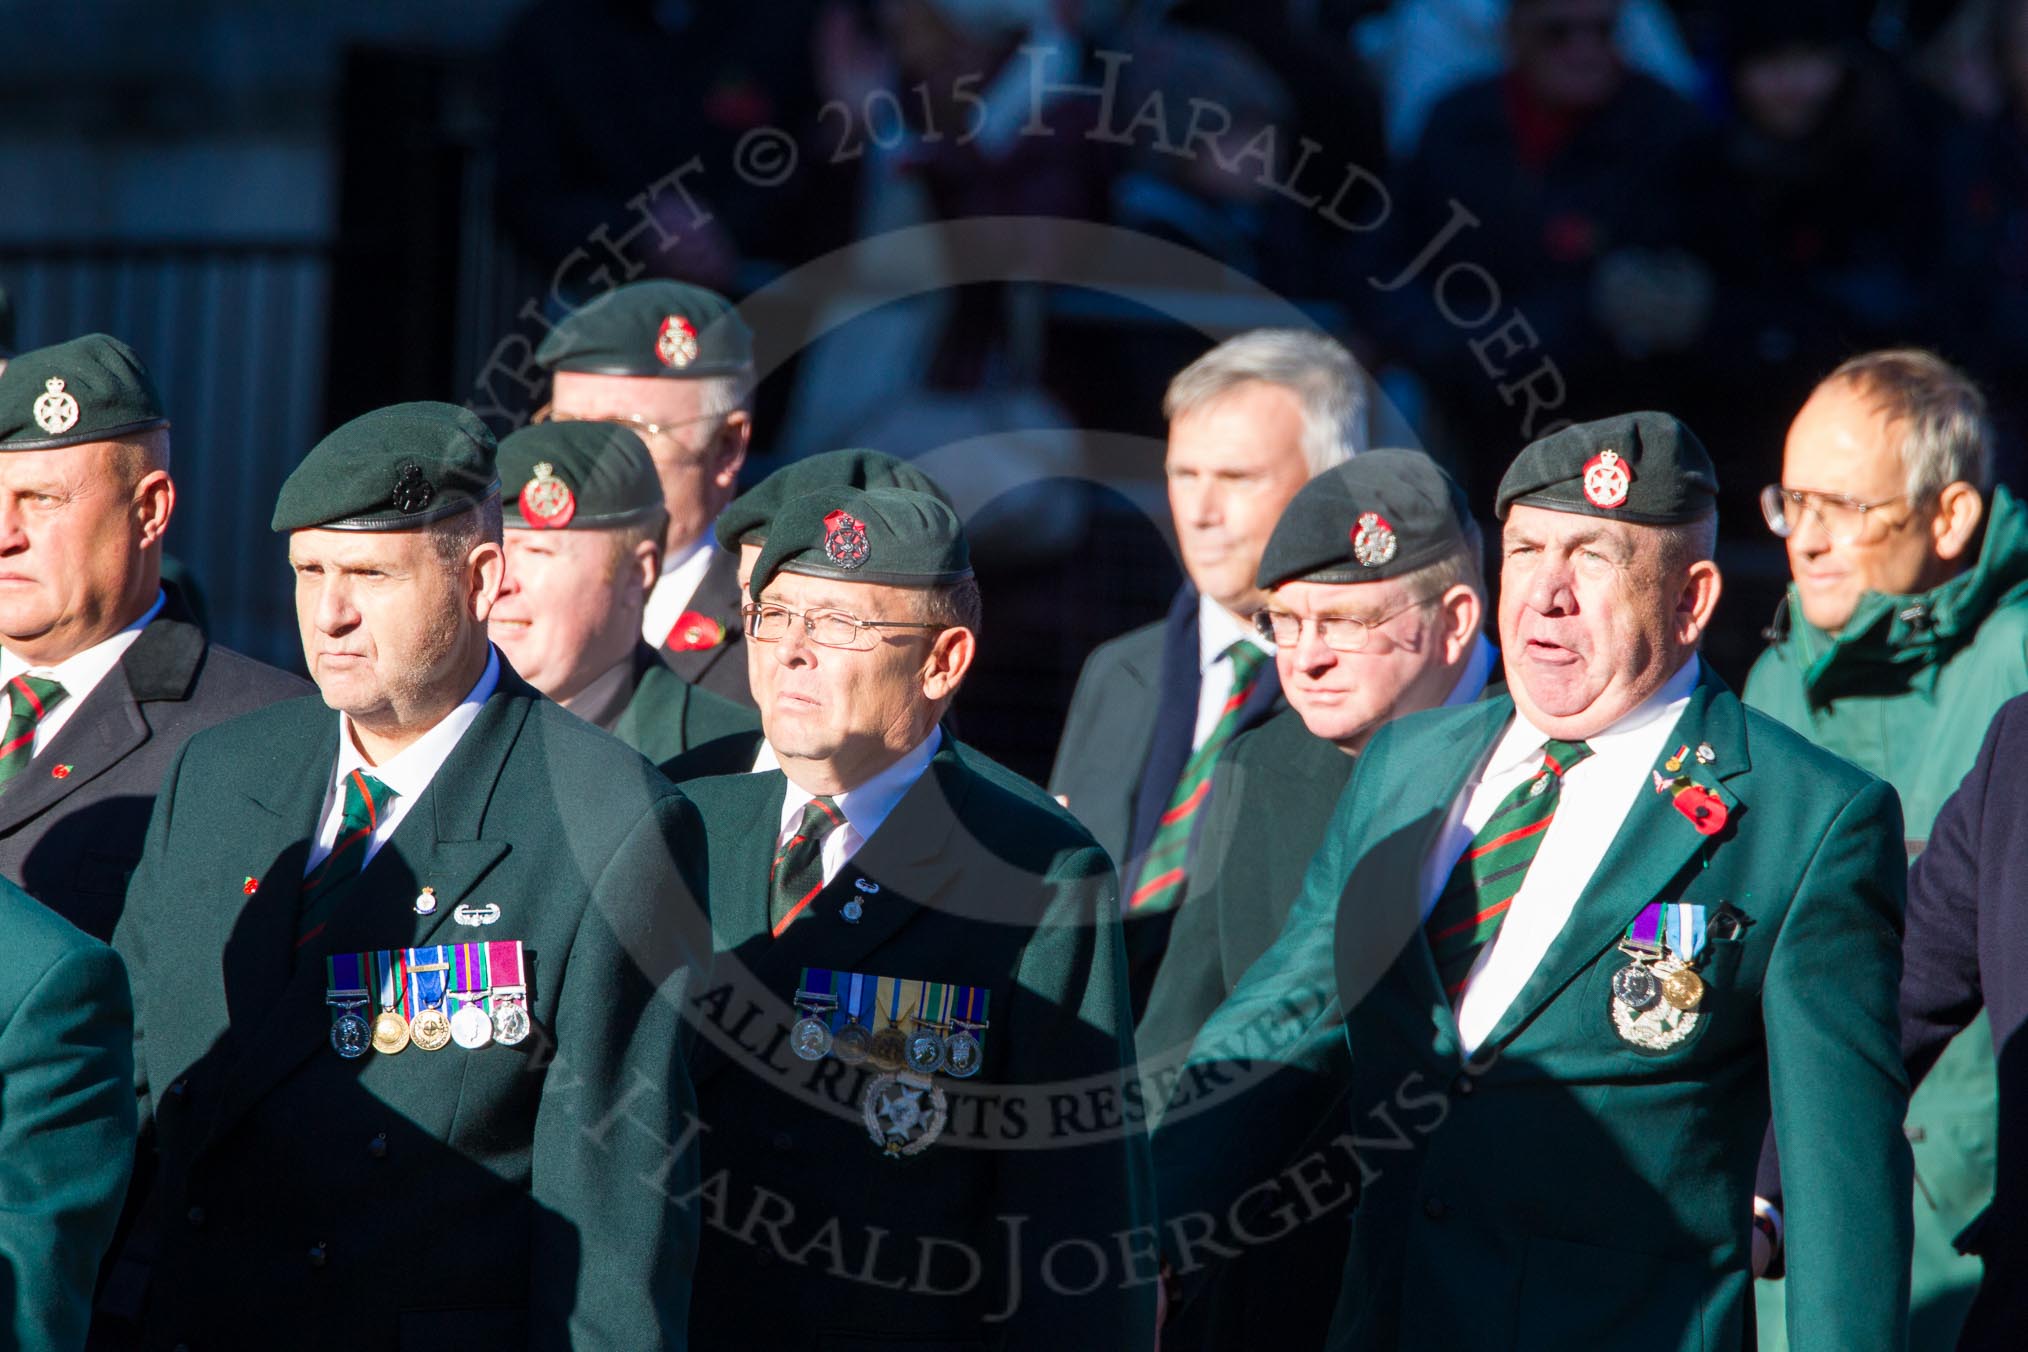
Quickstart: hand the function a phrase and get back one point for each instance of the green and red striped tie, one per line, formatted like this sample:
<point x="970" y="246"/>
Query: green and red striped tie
<point x="365" y="799"/>
<point x="1481" y="889"/>
<point x="797" y="875"/>
<point x="1165" y="867"/>
<point x="28" y="699"/>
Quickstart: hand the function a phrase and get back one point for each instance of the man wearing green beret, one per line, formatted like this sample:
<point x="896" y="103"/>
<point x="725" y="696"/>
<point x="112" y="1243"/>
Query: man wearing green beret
<point x="105" y="671"/>
<point x="407" y="965"/>
<point x="914" y="1051"/>
<point x="673" y="362"/>
<point x="583" y="539"/>
<point x="1375" y="600"/>
<point x="1569" y="947"/>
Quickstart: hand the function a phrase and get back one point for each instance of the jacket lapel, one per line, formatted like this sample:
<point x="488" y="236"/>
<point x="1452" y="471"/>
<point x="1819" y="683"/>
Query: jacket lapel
<point x="717" y="596"/>
<point x="1652" y="846"/>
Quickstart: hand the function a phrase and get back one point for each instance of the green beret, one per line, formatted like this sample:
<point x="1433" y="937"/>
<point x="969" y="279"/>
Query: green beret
<point x="396" y="468"/>
<point x="745" y="519"/>
<point x="892" y="536"/>
<point x="651" y="329"/>
<point x="1642" y="467"/>
<point x="89" y="389"/>
<point x="582" y="475"/>
<point x="1379" y="515"/>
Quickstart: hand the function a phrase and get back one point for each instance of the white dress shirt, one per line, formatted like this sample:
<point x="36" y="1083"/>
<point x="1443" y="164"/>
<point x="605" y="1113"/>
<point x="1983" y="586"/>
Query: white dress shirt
<point x="408" y="773"/>
<point x="1217" y="630"/>
<point x="865" y="807"/>
<point x="79" y="674"/>
<point x="674" y="589"/>
<point x="1595" y="797"/>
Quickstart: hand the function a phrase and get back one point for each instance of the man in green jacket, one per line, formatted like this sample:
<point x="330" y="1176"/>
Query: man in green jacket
<point x="1569" y="947"/>
<point x="583" y="516"/>
<point x="1903" y="632"/>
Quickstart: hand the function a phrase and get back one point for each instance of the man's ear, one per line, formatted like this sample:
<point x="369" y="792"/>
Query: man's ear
<point x="1702" y="584"/>
<point x="728" y="448"/>
<point x="485" y="570"/>
<point x="154" y="504"/>
<point x="950" y="657"/>
<point x="1959" y="510"/>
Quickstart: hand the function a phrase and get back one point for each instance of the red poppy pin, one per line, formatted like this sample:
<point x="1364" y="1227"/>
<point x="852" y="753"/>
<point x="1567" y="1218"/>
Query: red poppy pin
<point x="694" y="632"/>
<point x="1703" y="808"/>
<point x="60" y="772"/>
<point x="250" y="886"/>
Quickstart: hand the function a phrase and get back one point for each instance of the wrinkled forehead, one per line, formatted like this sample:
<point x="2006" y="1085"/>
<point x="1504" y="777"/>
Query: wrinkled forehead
<point x="359" y="548"/>
<point x="1356" y="599"/>
<point x="1574" y="530"/>
<point x="659" y="399"/>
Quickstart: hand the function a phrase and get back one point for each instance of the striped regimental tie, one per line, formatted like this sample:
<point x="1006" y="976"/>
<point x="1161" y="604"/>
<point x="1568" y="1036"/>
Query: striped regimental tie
<point x="797" y="875"/>
<point x="1166" y="865"/>
<point x="28" y="699"/>
<point x="1481" y="889"/>
<point x="366" y="798"/>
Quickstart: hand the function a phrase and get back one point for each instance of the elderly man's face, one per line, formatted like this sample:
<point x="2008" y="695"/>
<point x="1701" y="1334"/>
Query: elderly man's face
<point x="570" y="606"/>
<point x="388" y="627"/>
<point x="697" y="457"/>
<point x="1841" y="445"/>
<point x="1593" y="618"/>
<point x="1232" y="467"/>
<point x="73" y="525"/>
<point x="1413" y="646"/>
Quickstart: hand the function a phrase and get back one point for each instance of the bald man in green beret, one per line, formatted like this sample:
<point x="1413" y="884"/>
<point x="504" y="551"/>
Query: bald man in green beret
<point x="1565" y="949"/>
<point x="584" y="519"/>
<point x="914" y="1050"/>
<point x="673" y="362"/>
<point x="408" y="963"/>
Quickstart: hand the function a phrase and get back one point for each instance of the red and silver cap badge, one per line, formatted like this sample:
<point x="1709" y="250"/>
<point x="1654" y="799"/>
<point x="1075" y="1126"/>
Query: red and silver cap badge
<point x="845" y="540"/>
<point x="1373" y="540"/>
<point x="1607" y="479"/>
<point x="676" y="342"/>
<point x="546" y="501"/>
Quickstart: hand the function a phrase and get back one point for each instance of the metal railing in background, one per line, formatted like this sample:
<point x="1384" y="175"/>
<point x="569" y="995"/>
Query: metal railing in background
<point x="234" y="334"/>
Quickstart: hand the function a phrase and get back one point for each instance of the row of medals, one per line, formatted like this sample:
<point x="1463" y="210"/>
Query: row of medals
<point x="1650" y="981"/>
<point x="933" y="1048"/>
<point x="431" y="1030"/>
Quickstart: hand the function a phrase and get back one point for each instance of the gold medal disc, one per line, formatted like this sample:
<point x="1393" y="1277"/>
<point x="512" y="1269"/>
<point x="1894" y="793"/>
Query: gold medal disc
<point x="390" y="1032"/>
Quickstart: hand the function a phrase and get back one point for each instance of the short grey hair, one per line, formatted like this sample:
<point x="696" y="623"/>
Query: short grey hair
<point x="1946" y="435"/>
<point x="1316" y="369"/>
<point x="1689" y="542"/>
<point x="1462" y="567"/>
<point x="956" y="605"/>
<point x="455" y="537"/>
<point x="722" y="396"/>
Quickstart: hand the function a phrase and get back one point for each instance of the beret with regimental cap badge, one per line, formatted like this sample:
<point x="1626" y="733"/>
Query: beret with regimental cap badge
<point x="577" y="476"/>
<point x="1646" y="468"/>
<point x="745" y="519"/>
<point x="654" y="328"/>
<point x="396" y="468"/>
<point x="1379" y="515"/>
<point x="894" y="537"/>
<point x="89" y="389"/>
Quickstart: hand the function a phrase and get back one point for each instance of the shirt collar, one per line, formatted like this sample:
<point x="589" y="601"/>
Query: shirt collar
<point x="84" y="670"/>
<point x="1218" y="629"/>
<point x="1478" y="670"/>
<point x="1523" y="741"/>
<point x="868" y="805"/>
<point x="675" y="562"/>
<point x="410" y="771"/>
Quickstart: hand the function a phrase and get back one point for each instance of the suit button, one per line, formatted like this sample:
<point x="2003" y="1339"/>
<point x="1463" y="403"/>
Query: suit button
<point x="1464" y="1086"/>
<point x="377" y="1147"/>
<point x="316" y="1255"/>
<point x="784" y="1142"/>
<point x="180" y="1088"/>
<point x="1435" y="1209"/>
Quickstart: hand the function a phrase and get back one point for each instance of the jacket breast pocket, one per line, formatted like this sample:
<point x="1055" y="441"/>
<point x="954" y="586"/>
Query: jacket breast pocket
<point x="1723" y="1007"/>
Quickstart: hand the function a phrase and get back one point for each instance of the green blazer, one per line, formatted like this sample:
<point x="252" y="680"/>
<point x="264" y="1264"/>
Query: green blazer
<point x="66" y="1120"/>
<point x="667" y="715"/>
<point x="1564" y="1189"/>
<point x="967" y="882"/>
<point x="490" y="1198"/>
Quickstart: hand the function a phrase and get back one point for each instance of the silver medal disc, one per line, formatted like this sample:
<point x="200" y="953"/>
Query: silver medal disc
<point x="852" y="1044"/>
<point x="961" y="1055"/>
<point x="510" y="1022"/>
<point x="925" y="1054"/>
<point x="1635" y="986"/>
<point x="810" y="1039"/>
<point x="351" y="1036"/>
<point x="471" y="1027"/>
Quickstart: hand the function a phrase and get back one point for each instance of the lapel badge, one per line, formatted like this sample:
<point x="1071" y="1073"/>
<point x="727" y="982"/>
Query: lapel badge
<point x="426" y="901"/>
<point x="250" y="886"/>
<point x="853" y="909"/>
<point x="476" y="915"/>
<point x="56" y="409"/>
<point x="866" y="885"/>
<point x="1675" y="762"/>
<point x="60" y="772"/>
<point x="1705" y="809"/>
<point x="1705" y="755"/>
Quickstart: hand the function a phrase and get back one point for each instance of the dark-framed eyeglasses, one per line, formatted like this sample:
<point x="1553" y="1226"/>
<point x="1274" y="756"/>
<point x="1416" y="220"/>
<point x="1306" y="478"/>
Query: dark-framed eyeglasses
<point x="1340" y="633"/>
<point x="768" y="623"/>
<point x="1842" y="517"/>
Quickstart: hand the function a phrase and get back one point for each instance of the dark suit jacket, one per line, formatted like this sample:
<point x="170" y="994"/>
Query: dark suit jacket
<point x="667" y="715"/>
<point x="968" y="882"/>
<point x="504" y="1197"/>
<point x="1125" y="743"/>
<point x="66" y="1120"/>
<point x="72" y="841"/>
<point x="720" y="668"/>
<point x="1967" y="950"/>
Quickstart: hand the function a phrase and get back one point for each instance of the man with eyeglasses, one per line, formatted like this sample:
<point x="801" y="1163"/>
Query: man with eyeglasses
<point x="1374" y="605"/>
<point x="674" y="363"/>
<point x="913" y="1051"/>
<point x="1901" y="635"/>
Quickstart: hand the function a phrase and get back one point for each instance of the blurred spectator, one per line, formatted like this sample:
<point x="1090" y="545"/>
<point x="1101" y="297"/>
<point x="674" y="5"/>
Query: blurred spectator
<point x="1562" y="191"/>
